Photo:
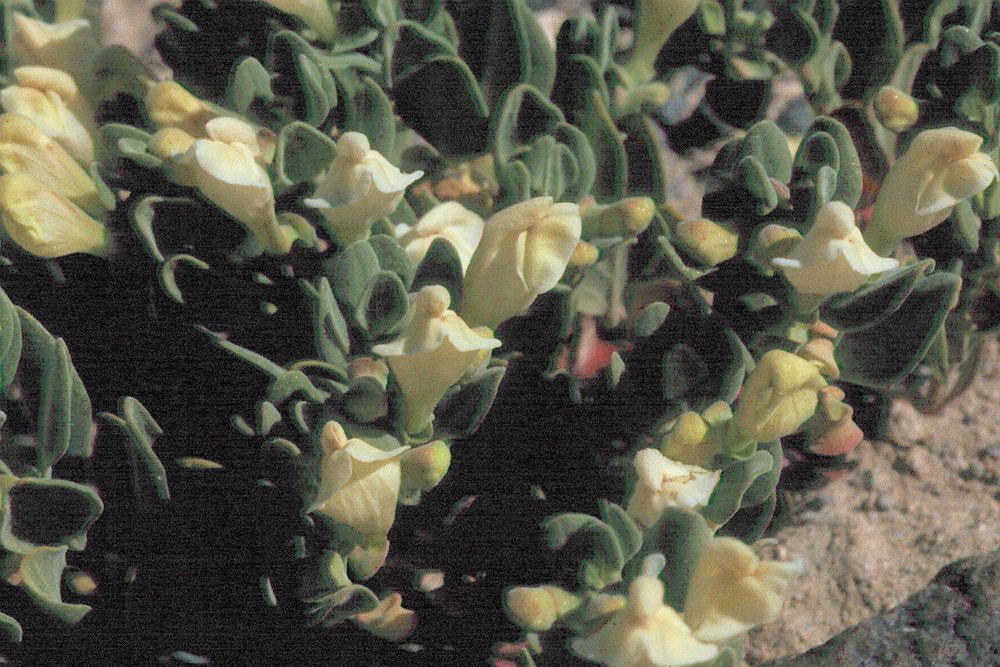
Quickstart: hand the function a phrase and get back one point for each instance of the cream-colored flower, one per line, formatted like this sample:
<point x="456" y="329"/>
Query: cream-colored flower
<point x="70" y="46"/>
<point x="780" y="394"/>
<point x="46" y="223"/>
<point x="832" y="257"/>
<point x="51" y="99"/>
<point x="229" y="176"/>
<point x="314" y="13"/>
<point x="524" y="251"/>
<point x="665" y="483"/>
<point x="646" y="632"/>
<point x="360" y="187"/>
<point x="25" y="148"/>
<point x="732" y="590"/>
<point x="939" y="169"/>
<point x="436" y="350"/>
<point x="450" y="221"/>
<point x="359" y="484"/>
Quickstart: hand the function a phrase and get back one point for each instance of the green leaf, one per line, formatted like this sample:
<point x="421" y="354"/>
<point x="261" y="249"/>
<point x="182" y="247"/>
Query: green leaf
<point x="41" y="575"/>
<point x="440" y="266"/>
<point x="751" y="175"/>
<point x="47" y="512"/>
<point x="384" y="305"/>
<point x="373" y="116"/>
<point x="352" y="270"/>
<point x="850" y="175"/>
<point x="302" y="154"/>
<point x="168" y="273"/>
<point x="10" y="341"/>
<point x="250" y="81"/>
<point x="525" y="115"/>
<point x="446" y="85"/>
<point x="737" y="478"/>
<point x="392" y="257"/>
<point x="593" y="541"/>
<point x="680" y="535"/>
<point x="866" y="306"/>
<point x="292" y="382"/>
<point x="149" y="477"/>
<point x="14" y="631"/>
<point x="333" y="342"/>
<point x="629" y="534"/>
<point x="461" y="413"/>
<point x="884" y="353"/>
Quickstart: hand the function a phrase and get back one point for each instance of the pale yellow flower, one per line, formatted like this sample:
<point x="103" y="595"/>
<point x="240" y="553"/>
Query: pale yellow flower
<point x="732" y="590"/>
<point x="46" y="223"/>
<point x="229" y="176"/>
<point x="359" y="187"/>
<point x="646" y="632"/>
<point x="523" y="253"/>
<point x="436" y="350"/>
<point x="359" y="484"/>
<point x="70" y="46"/>
<point x="450" y="221"/>
<point x="389" y="620"/>
<point x="25" y="148"/>
<point x="939" y="169"/>
<point x="780" y="394"/>
<point x="51" y="99"/>
<point x="537" y="608"/>
<point x="663" y="483"/>
<point x="832" y="257"/>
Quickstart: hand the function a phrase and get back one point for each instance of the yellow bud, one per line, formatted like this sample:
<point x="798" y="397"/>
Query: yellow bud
<point x="46" y="223"/>
<point x="895" y="110"/>
<point x="169" y="104"/>
<point x="627" y="217"/>
<point x="537" y="608"/>
<point x="584" y="254"/>
<point x="709" y="242"/>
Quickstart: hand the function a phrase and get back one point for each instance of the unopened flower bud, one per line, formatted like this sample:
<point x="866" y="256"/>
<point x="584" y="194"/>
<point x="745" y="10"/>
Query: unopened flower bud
<point x="780" y="394"/>
<point x="895" y="110"/>
<point x="710" y="243"/>
<point x="537" y="608"/>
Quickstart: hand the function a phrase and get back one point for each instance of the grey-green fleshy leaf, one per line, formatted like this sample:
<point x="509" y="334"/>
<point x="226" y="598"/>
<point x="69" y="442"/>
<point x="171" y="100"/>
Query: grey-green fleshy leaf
<point x="302" y="154"/>
<point x="250" y="81"/>
<point x="384" y="305"/>
<point x="14" y="632"/>
<point x="10" y="341"/>
<point x="374" y="117"/>
<point x="351" y="272"/>
<point x="392" y="257"/>
<point x="440" y="266"/>
<point x="461" y="413"/>
<point x="593" y="541"/>
<point x="333" y="342"/>
<point x="884" y="353"/>
<point x="292" y="382"/>
<point x="41" y="575"/>
<point x="680" y="535"/>
<point x="168" y="277"/>
<point x="149" y="477"/>
<point x="736" y="479"/>
<point x="47" y="512"/>
<point x="629" y="534"/>
<point x="883" y="296"/>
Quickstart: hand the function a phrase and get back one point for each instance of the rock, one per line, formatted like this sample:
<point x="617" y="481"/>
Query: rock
<point x="955" y="620"/>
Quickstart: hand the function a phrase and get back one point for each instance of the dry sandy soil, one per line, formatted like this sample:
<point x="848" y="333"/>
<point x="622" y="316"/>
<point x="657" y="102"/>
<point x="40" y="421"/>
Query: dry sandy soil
<point x="925" y="497"/>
